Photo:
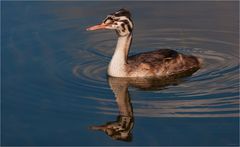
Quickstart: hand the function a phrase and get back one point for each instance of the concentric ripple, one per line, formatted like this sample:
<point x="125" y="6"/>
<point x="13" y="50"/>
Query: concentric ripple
<point x="210" y="92"/>
<point x="80" y="66"/>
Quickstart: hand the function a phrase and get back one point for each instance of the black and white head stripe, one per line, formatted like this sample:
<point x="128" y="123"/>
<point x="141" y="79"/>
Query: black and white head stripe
<point x="121" y="22"/>
<point x="122" y="12"/>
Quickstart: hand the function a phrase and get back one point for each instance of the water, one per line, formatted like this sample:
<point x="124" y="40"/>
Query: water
<point x="55" y="90"/>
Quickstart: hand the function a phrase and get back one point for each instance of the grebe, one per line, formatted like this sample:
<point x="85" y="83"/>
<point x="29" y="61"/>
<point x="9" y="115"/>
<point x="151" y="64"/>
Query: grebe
<point x="159" y="63"/>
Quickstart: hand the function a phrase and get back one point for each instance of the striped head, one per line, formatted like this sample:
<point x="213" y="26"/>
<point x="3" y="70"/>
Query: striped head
<point x="119" y="21"/>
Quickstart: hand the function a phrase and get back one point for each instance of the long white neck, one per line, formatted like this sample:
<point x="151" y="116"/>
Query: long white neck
<point x="117" y="66"/>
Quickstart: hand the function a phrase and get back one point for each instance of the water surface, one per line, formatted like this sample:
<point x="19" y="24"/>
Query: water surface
<point x="55" y="90"/>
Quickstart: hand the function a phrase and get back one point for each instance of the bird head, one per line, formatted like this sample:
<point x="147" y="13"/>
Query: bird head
<point x="119" y="21"/>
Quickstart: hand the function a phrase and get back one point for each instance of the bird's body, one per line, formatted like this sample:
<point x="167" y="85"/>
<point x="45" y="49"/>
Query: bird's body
<point x="159" y="63"/>
<point x="163" y="62"/>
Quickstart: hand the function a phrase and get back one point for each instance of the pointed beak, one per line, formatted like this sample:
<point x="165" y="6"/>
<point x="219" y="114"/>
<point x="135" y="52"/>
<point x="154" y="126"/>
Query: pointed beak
<point x="97" y="27"/>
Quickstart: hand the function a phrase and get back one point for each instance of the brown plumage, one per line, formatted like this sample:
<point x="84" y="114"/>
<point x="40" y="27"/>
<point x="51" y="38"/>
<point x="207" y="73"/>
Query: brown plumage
<point x="163" y="62"/>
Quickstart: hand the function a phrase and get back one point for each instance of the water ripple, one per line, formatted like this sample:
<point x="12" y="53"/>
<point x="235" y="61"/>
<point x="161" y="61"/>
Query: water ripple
<point x="210" y="92"/>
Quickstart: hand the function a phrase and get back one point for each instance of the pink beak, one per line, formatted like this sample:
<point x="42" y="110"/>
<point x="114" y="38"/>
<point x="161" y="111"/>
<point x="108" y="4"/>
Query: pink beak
<point x="97" y="27"/>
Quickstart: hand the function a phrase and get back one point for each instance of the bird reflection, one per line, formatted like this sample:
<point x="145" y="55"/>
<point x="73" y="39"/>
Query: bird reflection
<point x="121" y="128"/>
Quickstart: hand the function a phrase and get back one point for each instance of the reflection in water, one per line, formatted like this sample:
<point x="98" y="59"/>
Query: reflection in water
<point x="122" y="127"/>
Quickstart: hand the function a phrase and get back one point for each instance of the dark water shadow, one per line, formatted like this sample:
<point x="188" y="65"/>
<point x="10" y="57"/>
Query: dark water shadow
<point x="121" y="128"/>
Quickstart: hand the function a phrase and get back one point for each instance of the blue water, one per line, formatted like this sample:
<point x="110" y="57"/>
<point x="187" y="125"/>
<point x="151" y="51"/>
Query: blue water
<point x="54" y="86"/>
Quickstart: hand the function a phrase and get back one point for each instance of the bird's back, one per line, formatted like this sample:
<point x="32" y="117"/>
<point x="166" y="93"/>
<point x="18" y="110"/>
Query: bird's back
<point x="163" y="62"/>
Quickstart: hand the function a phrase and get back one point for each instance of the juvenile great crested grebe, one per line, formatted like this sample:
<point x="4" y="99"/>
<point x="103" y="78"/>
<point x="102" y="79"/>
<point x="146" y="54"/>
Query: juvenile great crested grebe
<point x="163" y="62"/>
